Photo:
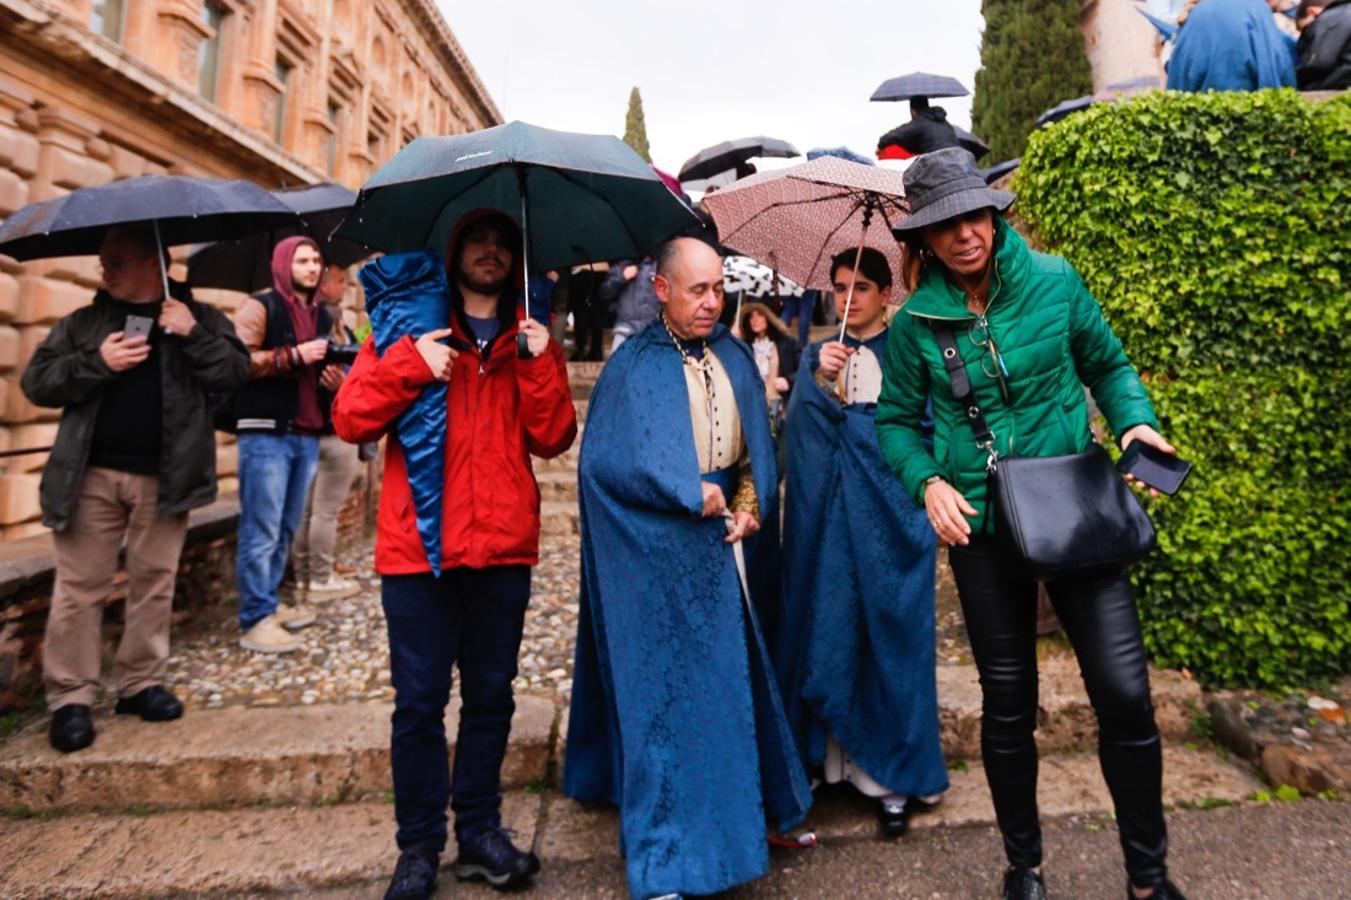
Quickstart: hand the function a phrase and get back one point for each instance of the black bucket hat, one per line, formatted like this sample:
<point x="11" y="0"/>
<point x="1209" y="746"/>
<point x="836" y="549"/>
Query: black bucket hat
<point x="944" y="184"/>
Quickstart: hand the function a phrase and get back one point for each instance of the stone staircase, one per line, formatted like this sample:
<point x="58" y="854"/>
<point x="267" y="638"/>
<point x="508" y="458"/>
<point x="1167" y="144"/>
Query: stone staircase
<point x="241" y="801"/>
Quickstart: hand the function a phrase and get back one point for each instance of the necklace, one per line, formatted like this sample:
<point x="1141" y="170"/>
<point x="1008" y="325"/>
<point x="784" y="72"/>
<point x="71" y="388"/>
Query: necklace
<point x="701" y="365"/>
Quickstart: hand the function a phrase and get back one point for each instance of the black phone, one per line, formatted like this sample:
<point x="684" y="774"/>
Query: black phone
<point x="137" y="326"/>
<point x="1161" y="471"/>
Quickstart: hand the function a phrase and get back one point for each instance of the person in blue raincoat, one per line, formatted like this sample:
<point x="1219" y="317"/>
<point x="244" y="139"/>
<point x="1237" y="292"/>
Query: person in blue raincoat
<point x="675" y="716"/>
<point x="854" y="643"/>
<point x="1230" y="45"/>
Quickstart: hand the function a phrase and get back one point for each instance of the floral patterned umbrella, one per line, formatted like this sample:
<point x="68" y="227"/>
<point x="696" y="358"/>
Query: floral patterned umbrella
<point x="796" y="219"/>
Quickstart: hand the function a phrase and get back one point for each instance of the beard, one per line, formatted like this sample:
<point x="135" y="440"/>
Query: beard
<point x="482" y="286"/>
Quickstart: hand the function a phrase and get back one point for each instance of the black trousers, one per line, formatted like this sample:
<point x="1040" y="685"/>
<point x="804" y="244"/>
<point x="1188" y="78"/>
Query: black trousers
<point x="472" y="618"/>
<point x="999" y="604"/>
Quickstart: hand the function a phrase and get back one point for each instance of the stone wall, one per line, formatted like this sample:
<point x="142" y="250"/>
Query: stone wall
<point x="1120" y="43"/>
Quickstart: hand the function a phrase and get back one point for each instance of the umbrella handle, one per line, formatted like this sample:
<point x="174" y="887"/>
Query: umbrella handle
<point x="523" y="343"/>
<point x="853" y="274"/>
<point x="159" y="253"/>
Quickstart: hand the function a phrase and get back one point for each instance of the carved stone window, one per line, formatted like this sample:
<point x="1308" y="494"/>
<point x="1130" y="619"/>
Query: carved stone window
<point x="106" y="17"/>
<point x="208" y="51"/>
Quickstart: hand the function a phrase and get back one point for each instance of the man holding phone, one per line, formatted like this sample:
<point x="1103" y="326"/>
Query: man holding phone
<point x="135" y="451"/>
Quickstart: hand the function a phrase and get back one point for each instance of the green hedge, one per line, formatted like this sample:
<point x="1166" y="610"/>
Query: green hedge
<point x="1216" y="231"/>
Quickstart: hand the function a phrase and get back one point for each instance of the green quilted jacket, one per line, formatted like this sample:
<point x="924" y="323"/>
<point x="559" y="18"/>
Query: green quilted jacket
<point x="1053" y="340"/>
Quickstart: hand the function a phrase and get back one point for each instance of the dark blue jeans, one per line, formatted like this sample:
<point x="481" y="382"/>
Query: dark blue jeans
<point x="469" y="617"/>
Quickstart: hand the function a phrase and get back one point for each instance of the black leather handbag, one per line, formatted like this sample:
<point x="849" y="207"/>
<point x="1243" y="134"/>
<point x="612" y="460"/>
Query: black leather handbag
<point x="1062" y="515"/>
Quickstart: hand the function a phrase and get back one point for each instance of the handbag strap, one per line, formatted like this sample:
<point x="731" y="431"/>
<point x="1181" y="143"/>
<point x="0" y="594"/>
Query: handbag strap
<point x="964" y="393"/>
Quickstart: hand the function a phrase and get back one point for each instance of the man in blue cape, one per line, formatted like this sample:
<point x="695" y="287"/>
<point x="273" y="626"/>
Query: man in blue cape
<point x="854" y="642"/>
<point x="1231" y="45"/>
<point x="675" y="716"/>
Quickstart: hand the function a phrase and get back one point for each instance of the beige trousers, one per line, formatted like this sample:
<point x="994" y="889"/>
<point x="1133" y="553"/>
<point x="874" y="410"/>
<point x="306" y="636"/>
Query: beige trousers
<point x="111" y="505"/>
<point x="312" y="550"/>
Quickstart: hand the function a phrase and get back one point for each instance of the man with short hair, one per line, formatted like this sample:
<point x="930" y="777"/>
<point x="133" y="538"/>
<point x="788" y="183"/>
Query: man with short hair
<point x="675" y="715"/>
<point x="499" y="409"/>
<point x="134" y="452"/>
<point x="279" y="416"/>
<point x="1324" y="51"/>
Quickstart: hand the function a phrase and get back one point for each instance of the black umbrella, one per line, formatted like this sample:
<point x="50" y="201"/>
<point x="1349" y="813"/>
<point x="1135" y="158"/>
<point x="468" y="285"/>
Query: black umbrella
<point x="181" y="210"/>
<point x="970" y="142"/>
<point x="579" y="198"/>
<point x="928" y="131"/>
<point x="919" y="84"/>
<point x="731" y="155"/>
<point x="1063" y="110"/>
<point x="996" y="172"/>
<point x="245" y="264"/>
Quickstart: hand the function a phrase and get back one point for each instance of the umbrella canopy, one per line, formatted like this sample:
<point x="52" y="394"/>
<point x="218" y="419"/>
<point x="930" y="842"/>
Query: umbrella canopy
<point x="1065" y="109"/>
<point x="796" y="219"/>
<point x="183" y="211"/>
<point x="579" y="198"/>
<point x="841" y="152"/>
<point x="919" y="84"/>
<point x="743" y="275"/>
<point x="996" y="172"/>
<point x="245" y="264"/>
<point x="728" y="155"/>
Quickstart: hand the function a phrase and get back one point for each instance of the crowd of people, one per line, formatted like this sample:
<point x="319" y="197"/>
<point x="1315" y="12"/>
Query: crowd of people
<point x="731" y="655"/>
<point x="1245" y="45"/>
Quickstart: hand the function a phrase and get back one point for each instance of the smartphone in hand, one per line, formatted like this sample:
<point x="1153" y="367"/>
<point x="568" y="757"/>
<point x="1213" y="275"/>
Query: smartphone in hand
<point x="1150" y="465"/>
<point x="137" y="326"/>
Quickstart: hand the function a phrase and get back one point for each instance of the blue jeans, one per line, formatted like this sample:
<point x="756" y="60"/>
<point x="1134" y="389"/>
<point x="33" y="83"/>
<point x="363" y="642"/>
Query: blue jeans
<point x="275" y="471"/>
<point x="473" y="618"/>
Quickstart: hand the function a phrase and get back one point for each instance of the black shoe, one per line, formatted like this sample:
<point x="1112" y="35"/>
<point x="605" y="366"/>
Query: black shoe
<point x="415" y="875"/>
<point x="893" y="813"/>
<point x="489" y="854"/>
<point x="154" y="704"/>
<point x="1164" y="891"/>
<point x="72" y="729"/>
<point x="1023" y="884"/>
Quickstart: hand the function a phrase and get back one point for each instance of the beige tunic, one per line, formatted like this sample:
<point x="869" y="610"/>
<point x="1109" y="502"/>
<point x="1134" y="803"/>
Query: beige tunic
<point x="860" y="380"/>
<point x="713" y="412"/>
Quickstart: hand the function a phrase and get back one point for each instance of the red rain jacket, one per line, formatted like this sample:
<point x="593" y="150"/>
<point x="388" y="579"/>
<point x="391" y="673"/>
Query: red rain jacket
<point x="497" y="414"/>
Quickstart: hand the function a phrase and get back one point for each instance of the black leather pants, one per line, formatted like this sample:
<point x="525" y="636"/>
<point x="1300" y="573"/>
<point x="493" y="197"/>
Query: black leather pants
<point x="999" y="603"/>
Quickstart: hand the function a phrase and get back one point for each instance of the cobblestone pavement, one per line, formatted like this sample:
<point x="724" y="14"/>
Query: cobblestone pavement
<point x="344" y="656"/>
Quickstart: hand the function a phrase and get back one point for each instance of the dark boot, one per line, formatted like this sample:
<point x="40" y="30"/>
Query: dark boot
<point x="489" y="855"/>
<point x="1023" y="884"/>
<point x="415" y="875"/>
<point x="154" y="704"/>
<point x="72" y="728"/>
<point x="1165" y="891"/>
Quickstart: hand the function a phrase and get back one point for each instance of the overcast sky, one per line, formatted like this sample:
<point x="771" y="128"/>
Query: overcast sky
<point x="713" y="71"/>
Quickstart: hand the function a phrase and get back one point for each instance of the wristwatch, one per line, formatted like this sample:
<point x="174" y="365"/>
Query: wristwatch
<point x="928" y="481"/>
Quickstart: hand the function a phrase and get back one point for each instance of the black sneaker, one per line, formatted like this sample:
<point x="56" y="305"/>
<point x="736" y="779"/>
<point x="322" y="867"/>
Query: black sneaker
<point x="489" y="855"/>
<point x="1164" y="891"/>
<point x="1023" y="884"/>
<point x="893" y="815"/>
<point x="415" y="875"/>
<point x="72" y="728"/>
<point x="154" y="704"/>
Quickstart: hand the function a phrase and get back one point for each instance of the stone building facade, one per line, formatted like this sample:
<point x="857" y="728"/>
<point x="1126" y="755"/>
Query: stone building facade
<point x="1121" y="44"/>
<point x="283" y="92"/>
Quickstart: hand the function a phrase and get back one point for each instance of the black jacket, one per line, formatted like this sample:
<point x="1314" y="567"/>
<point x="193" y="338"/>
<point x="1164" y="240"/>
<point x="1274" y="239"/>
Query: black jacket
<point x="1325" y="50"/>
<point x="68" y="371"/>
<point x="269" y="404"/>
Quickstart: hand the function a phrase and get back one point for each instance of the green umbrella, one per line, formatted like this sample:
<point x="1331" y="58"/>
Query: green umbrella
<point x="578" y="198"/>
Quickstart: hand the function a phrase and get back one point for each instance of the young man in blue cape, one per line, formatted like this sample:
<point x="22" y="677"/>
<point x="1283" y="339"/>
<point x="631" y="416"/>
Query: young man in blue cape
<point x="854" y="641"/>
<point x="675" y="715"/>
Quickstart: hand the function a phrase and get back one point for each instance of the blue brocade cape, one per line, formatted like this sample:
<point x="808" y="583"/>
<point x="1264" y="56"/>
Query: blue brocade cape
<point x="675" y="714"/>
<point x="854" y="642"/>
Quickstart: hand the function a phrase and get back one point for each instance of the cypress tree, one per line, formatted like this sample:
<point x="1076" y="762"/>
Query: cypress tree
<point x="1032" y="57"/>
<point x="635" y="131"/>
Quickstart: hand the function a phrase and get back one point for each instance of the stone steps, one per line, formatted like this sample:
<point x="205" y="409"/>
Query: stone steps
<point x="238" y="756"/>
<point x="298" y="850"/>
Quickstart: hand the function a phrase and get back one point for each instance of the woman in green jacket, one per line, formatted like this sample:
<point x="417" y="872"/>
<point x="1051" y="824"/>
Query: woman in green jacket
<point x="1031" y="336"/>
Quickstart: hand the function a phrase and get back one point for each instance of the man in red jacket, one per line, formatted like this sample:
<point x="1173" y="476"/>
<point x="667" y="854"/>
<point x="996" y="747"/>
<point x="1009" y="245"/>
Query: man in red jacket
<point x="500" y="409"/>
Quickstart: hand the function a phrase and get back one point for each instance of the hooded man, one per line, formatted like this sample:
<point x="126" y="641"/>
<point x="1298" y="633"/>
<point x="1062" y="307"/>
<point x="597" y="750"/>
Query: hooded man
<point x="455" y="579"/>
<point x="279" y="416"/>
<point x="675" y="716"/>
<point x="135" y="452"/>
